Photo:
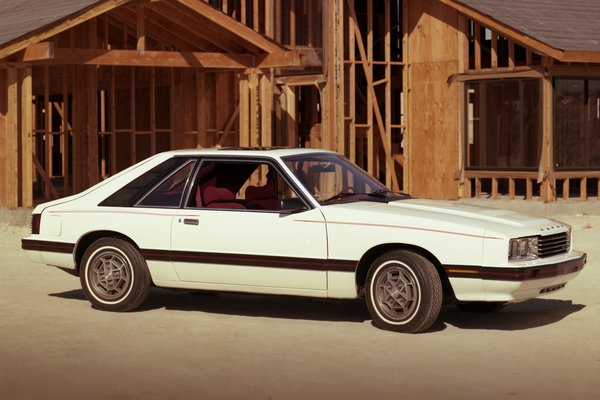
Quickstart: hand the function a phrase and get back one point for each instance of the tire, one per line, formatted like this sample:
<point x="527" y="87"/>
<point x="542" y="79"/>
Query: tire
<point x="404" y="292"/>
<point x="481" y="306"/>
<point x="114" y="275"/>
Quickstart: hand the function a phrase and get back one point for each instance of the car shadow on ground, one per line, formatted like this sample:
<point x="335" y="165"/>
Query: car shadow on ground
<point x="520" y="316"/>
<point x="528" y="314"/>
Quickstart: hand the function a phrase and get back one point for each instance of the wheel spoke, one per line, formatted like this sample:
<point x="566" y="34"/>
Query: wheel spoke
<point x="396" y="292"/>
<point x="110" y="276"/>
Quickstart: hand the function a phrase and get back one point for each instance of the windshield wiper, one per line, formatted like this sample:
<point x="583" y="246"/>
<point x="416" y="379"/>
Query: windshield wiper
<point x="341" y="195"/>
<point x="380" y="193"/>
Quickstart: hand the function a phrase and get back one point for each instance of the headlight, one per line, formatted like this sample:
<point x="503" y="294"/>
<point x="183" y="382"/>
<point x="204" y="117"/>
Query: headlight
<point x="523" y="248"/>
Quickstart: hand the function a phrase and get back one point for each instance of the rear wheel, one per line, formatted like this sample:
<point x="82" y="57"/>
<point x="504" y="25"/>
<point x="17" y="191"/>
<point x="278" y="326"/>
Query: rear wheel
<point x="404" y="292"/>
<point x="114" y="275"/>
<point x="481" y="306"/>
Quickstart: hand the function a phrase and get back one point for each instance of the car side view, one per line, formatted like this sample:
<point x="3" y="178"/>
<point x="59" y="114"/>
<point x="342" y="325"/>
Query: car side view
<point x="297" y="222"/>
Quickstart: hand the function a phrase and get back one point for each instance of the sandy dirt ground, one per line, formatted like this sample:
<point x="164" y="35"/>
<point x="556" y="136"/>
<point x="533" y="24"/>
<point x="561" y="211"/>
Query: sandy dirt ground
<point x="53" y="345"/>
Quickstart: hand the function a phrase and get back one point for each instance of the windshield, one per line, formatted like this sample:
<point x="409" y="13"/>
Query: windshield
<point x="331" y="179"/>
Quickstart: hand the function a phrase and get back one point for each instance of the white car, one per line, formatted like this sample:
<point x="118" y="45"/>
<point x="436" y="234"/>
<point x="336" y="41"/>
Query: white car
<point x="295" y="222"/>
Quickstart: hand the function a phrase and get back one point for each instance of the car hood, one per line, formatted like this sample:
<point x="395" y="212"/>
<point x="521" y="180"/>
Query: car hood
<point x="485" y="214"/>
<point x="433" y="214"/>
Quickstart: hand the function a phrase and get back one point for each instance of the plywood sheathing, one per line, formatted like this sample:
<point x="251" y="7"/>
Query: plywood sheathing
<point x="432" y="129"/>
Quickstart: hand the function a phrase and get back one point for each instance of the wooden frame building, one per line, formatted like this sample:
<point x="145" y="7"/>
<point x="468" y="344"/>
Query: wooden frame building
<point x="439" y="98"/>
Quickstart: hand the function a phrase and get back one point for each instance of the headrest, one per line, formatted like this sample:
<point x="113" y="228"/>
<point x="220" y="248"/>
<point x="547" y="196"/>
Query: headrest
<point x="213" y="194"/>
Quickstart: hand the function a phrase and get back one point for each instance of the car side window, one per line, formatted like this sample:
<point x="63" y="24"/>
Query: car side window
<point x="237" y="185"/>
<point x="170" y="191"/>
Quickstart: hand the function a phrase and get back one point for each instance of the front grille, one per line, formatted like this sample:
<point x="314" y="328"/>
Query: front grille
<point x="552" y="245"/>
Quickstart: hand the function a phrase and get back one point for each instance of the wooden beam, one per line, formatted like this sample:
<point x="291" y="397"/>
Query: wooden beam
<point x="301" y="80"/>
<point x="3" y="136"/>
<point x="201" y="110"/>
<point x="546" y="168"/>
<point x="62" y="56"/>
<point x="35" y="52"/>
<point x="92" y="127"/>
<point x="12" y="165"/>
<point x="388" y="90"/>
<point x="254" y="111"/>
<point x="47" y="181"/>
<point x="498" y="73"/>
<point x="229" y="125"/>
<point x="244" y="139"/>
<point x="494" y="50"/>
<point x="243" y="32"/>
<point x="291" y="125"/>
<point x="60" y="26"/>
<point x="26" y="139"/>
<point x="477" y="45"/>
<point x="48" y="137"/>
<point x="352" y="87"/>
<point x="266" y="110"/>
<point x="165" y="29"/>
<point x="187" y="23"/>
<point x="141" y="29"/>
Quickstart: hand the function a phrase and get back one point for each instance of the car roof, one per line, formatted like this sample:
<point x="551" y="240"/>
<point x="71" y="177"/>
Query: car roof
<point x="247" y="151"/>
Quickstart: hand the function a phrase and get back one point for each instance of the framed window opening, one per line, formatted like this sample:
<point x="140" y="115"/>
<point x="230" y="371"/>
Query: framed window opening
<point x="503" y="129"/>
<point x="576" y="123"/>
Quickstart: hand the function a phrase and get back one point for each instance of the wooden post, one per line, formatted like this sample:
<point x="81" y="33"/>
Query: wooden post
<point x="371" y="96"/>
<point x="48" y="139"/>
<point x="477" y="42"/>
<point x="254" y="111"/>
<point x="79" y="112"/>
<point x="3" y="136"/>
<point x="269" y="18"/>
<point x="546" y="167"/>
<point x="406" y="99"/>
<point x="202" y="109"/>
<point x="12" y="166"/>
<point x="291" y="125"/>
<point x="494" y="50"/>
<point x="92" y="127"/>
<point x="332" y="135"/>
<point x="244" y="139"/>
<point x="266" y="110"/>
<point x="141" y="29"/>
<point x="352" y="86"/>
<point x="113" y="123"/>
<point x="153" y="111"/>
<point x="463" y="66"/>
<point x="388" y="91"/>
<point x="26" y="139"/>
<point x="511" y="53"/>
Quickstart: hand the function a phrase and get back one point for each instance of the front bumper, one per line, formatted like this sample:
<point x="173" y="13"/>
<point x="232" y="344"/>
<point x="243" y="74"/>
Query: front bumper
<point x="514" y="283"/>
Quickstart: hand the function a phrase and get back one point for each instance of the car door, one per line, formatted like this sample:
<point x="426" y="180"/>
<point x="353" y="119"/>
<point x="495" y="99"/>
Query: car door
<point x="245" y="228"/>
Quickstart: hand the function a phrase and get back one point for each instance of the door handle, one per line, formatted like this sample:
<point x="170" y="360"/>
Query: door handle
<point x="191" y="221"/>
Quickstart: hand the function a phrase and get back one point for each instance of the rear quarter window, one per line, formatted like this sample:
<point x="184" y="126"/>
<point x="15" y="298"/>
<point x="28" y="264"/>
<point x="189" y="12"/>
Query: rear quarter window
<point x="131" y="193"/>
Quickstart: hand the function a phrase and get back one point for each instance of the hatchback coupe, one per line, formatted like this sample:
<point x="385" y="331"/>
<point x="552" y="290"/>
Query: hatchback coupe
<point x="297" y="222"/>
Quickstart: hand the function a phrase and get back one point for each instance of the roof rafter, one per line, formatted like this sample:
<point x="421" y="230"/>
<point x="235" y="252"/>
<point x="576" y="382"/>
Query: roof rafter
<point x="165" y="30"/>
<point x="242" y="31"/>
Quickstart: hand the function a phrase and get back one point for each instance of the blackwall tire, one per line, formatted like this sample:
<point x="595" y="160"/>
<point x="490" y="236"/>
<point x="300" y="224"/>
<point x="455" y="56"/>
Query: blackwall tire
<point x="403" y="292"/>
<point x="114" y="275"/>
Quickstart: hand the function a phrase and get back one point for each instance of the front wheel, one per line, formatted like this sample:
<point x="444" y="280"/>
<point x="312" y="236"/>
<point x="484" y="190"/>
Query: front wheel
<point x="404" y="292"/>
<point x="114" y="275"/>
